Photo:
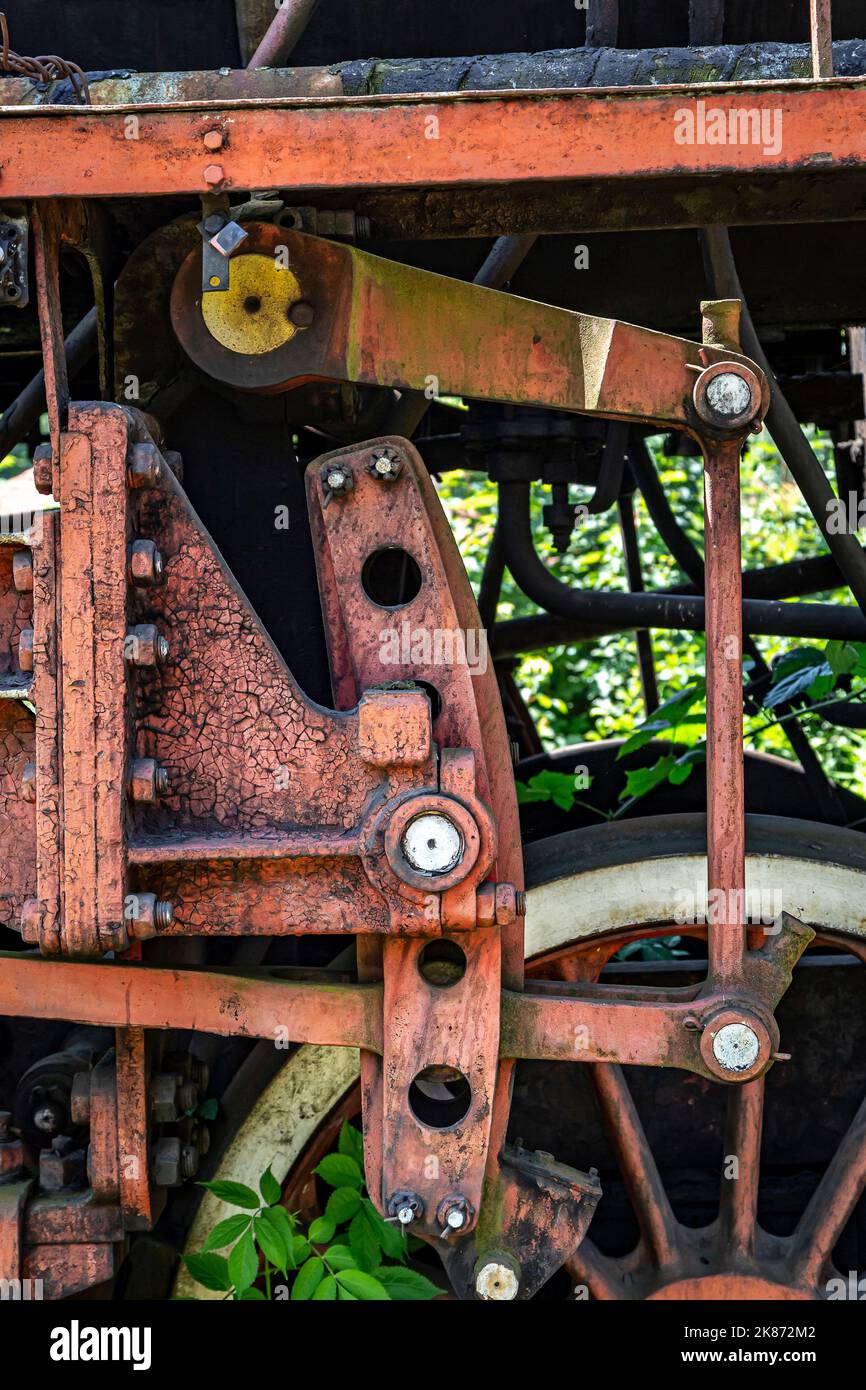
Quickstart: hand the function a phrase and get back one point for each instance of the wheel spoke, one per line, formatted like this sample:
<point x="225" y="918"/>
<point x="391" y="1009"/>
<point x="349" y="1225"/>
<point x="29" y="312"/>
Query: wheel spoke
<point x="599" y="1274"/>
<point x="738" y="1204"/>
<point x="636" y="1162"/>
<point x="832" y="1203"/>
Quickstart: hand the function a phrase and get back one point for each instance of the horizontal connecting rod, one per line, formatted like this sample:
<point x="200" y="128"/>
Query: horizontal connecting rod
<point x="545" y="1023"/>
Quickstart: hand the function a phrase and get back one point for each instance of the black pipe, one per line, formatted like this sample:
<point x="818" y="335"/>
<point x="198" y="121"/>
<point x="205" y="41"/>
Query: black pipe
<point x="618" y="611"/>
<point x="22" y="415"/>
<point x="781" y="421"/>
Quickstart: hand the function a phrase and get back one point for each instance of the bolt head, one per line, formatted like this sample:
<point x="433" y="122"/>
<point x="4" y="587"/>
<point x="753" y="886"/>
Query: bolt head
<point x="456" y="1219"/>
<point x="145" y="646"/>
<point x="728" y="394"/>
<point x="145" y="564"/>
<point x="736" y="1047"/>
<point x="496" y="1282"/>
<point x="145" y="466"/>
<point x="28" y="782"/>
<point x="405" y="1216"/>
<point x="432" y="844"/>
<point x="25" y="649"/>
<point x="214" y="174"/>
<point x="301" y="313"/>
<point x="43" y="479"/>
<point x="22" y="571"/>
<point x="337" y="479"/>
<point x="213" y="140"/>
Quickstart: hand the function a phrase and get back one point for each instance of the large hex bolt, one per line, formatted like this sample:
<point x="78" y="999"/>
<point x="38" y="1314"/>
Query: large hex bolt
<point x="62" y="1166"/>
<point x="145" y="466"/>
<point x="167" y="1162"/>
<point x="148" y="781"/>
<point x="164" y="1108"/>
<point x="497" y="1278"/>
<point x="148" y="915"/>
<point x="144" y="564"/>
<point x="454" y="1214"/>
<point x="145" y="646"/>
<point x="497" y="902"/>
<point x="406" y="1207"/>
<point x="43" y="470"/>
<point x="22" y="571"/>
<point x="25" y="649"/>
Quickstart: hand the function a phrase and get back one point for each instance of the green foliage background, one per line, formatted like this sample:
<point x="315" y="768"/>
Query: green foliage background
<point x="592" y="691"/>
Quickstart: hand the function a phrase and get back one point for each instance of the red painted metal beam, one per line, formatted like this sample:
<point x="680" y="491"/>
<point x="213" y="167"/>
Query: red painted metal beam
<point x="450" y="140"/>
<point x="254" y="1005"/>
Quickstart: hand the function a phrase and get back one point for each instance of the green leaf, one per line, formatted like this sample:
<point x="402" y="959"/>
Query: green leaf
<point x="405" y="1285"/>
<point x="797" y="682"/>
<point x="363" y="1286"/>
<point x="327" y="1290"/>
<point x="225" y="1232"/>
<point x="208" y="1109"/>
<point x="340" y="1257"/>
<point x="641" y="780"/>
<point x="351" y="1142"/>
<point x="682" y="768"/>
<point x="235" y="1193"/>
<point x="363" y="1241"/>
<point x="389" y="1234"/>
<point x="669" y="715"/>
<point x="211" y="1271"/>
<point x="340" y="1170"/>
<point x="344" y="1295"/>
<point x="309" y="1277"/>
<point x="321" y="1231"/>
<point x="841" y="657"/>
<point x="270" y="1188"/>
<point x="548" y="785"/>
<point x="251" y="1295"/>
<point x="271" y="1236"/>
<point x="299" y="1249"/>
<point x="244" y="1262"/>
<point x="342" y="1204"/>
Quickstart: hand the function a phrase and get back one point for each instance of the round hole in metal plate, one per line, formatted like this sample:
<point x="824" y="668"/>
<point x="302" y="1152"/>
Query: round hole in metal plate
<point x="442" y="963"/>
<point x="391" y="578"/>
<point x="440" y="1097"/>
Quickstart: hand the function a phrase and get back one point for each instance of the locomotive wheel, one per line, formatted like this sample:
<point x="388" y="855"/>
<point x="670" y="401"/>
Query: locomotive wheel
<point x="628" y="888"/>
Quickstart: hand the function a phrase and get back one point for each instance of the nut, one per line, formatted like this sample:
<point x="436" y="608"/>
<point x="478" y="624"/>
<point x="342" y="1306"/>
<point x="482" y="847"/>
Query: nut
<point x="147" y="915"/>
<point x="454" y="1214"/>
<point x="25" y="649"/>
<point x="144" y="564"/>
<point x="148" y="781"/>
<point x="384" y="464"/>
<point x="167" y="1162"/>
<point x="145" y="646"/>
<point x="214" y="174"/>
<point x="62" y="1166"/>
<point x="406" y="1207"/>
<point x="43" y="469"/>
<point x="337" y="480"/>
<point x="213" y="140"/>
<point x="28" y="782"/>
<point x="164" y="1107"/>
<point x="189" y="1157"/>
<point x="145" y="466"/>
<point x="22" y="571"/>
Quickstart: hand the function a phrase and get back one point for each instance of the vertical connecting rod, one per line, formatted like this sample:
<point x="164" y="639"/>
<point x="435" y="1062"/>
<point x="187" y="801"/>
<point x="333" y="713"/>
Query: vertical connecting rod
<point x="726" y="854"/>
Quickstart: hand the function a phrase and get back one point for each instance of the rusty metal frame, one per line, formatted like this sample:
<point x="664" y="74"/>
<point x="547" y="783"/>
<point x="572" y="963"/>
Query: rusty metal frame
<point x="454" y="140"/>
<point x="332" y="844"/>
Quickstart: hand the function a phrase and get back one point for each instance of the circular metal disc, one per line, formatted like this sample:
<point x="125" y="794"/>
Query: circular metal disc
<point x="252" y="316"/>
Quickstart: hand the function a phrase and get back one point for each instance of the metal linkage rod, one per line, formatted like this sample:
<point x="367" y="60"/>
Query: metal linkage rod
<point x="605" y="612"/>
<point x="781" y="421"/>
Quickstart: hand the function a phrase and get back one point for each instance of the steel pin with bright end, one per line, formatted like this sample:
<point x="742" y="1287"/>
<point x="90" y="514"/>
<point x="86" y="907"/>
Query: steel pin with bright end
<point x="432" y="843"/>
